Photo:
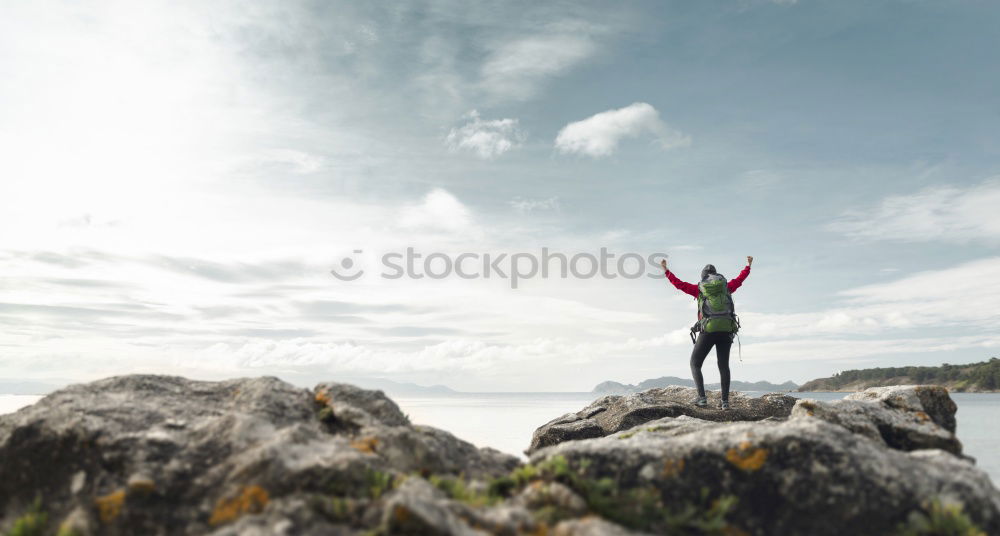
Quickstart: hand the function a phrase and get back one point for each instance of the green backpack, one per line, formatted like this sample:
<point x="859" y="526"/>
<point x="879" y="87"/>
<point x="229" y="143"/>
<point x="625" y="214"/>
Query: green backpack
<point x="718" y="314"/>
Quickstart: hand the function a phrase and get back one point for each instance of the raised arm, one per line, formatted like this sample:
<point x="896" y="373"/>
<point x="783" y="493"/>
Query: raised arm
<point x="735" y="283"/>
<point x="686" y="288"/>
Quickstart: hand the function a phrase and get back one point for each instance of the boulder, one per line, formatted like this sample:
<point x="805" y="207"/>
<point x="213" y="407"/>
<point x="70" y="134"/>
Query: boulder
<point x="875" y="463"/>
<point x="376" y="408"/>
<point x="903" y="428"/>
<point x="614" y="413"/>
<point x="932" y="401"/>
<point x="798" y="476"/>
<point x="417" y="507"/>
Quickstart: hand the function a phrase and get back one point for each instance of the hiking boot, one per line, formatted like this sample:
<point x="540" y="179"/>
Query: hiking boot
<point x="701" y="402"/>
<point x="724" y="405"/>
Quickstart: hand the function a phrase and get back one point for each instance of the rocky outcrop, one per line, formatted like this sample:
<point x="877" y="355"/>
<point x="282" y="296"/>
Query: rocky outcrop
<point x="800" y="476"/>
<point x="165" y="455"/>
<point x="903" y="417"/>
<point x="613" y="413"/>
<point x="878" y="463"/>
<point x="932" y="400"/>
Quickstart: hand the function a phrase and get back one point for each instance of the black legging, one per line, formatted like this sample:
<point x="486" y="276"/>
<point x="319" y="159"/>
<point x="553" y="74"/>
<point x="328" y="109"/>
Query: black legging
<point x="722" y="342"/>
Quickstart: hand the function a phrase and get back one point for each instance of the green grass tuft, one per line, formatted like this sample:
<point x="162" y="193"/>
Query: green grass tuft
<point x="379" y="482"/>
<point x="642" y="508"/>
<point x="456" y="488"/>
<point x="32" y="522"/>
<point x="939" y="519"/>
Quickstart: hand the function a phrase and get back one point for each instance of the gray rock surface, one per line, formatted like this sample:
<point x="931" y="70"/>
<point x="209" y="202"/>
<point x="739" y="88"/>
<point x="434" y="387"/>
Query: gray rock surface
<point x="800" y="476"/>
<point x="865" y="465"/>
<point x="590" y="526"/>
<point x="614" y="413"/>
<point x="417" y="507"/>
<point x="165" y="455"/>
<point x="903" y="417"/>
<point x="933" y="400"/>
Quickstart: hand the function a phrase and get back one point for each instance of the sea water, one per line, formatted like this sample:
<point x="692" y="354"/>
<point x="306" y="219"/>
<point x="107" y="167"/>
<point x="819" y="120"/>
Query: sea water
<point x="12" y="403"/>
<point x="505" y="421"/>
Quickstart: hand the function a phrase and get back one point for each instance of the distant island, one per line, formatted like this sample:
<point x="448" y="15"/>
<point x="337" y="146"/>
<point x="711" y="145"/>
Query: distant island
<point x="616" y="388"/>
<point x="971" y="378"/>
<point x="403" y="389"/>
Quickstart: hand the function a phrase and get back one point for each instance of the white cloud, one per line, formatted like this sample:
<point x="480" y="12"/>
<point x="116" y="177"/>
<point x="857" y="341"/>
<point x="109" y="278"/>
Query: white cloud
<point x="438" y="210"/>
<point x="925" y="300"/>
<point x="976" y="278"/>
<point x="454" y="355"/>
<point x="526" y="205"/>
<point x="468" y="331"/>
<point x="516" y="70"/>
<point x="296" y="161"/>
<point x="755" y="180"/>
<point x="486" y="138"/>
<point x="599" y="134"/>
<point x="846" y="350"/>
<point x="944" y="213"/>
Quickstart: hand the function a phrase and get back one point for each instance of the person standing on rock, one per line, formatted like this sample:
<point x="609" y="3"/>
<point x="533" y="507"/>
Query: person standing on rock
<point x="717" y="323"/>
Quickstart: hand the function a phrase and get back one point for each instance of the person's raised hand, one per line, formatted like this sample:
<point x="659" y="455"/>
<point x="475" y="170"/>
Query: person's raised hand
<point x="749" y="260"/>
<point x="663" y="263"/>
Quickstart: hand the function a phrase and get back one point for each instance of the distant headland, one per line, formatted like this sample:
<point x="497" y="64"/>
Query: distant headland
<point x="981" y="377"/>
<point x="616" y="388"/>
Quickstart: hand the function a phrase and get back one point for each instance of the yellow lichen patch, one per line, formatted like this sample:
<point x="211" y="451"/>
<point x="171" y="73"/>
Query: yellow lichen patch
<point x="672" y="468"/>
<point x="252" y="499"/>
<point x="110" y="506"/>
<point x="322" y="397"/>
<point x="746" y="457"/>
<point x="401" y="514"/>
<point x="542" y="529"/>
<point x="922" y="416"/>
<point x="141" y="485"/>
<point x="810" y="408"/>
<point x="365" y="444"/>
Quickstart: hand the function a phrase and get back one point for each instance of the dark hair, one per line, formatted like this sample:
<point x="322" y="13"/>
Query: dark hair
<point x="707" y="270"/>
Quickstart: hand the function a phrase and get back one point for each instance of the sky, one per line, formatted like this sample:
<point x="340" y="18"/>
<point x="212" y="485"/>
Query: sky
<point x="178" y="181"/>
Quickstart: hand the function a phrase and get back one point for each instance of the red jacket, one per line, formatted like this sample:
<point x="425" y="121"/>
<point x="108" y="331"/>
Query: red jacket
<point x="688" y="288"/>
